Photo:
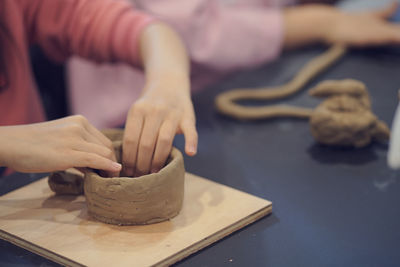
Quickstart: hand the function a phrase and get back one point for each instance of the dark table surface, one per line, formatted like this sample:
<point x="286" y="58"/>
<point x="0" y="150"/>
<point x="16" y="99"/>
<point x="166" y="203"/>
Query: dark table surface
<point x="331" y="207"/>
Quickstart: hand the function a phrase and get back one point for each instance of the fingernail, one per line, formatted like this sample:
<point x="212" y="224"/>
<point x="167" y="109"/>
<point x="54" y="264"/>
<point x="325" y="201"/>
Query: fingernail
<point x="116" y="165"/>
<point x="192" y="150"/>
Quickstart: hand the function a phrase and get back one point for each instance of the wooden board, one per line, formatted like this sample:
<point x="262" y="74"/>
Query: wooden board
<point x="58" y="227"/>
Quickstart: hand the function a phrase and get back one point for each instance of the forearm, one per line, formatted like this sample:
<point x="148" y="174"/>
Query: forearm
<point x="164" y="58"/>
<point x="307" y="24"/>
<point x="317" y="1"/>
<point x="4" y="144"/>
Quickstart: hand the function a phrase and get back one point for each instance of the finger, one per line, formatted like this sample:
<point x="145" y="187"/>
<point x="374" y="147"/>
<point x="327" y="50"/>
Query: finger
<point x="96" y="149"/>
<point x="94" y="161"/>
<point x="386" y="12"/>
<point x="83" y="170"/>
<point x="133" y="130"/>
<point x="100" y="150"/>
<point x="164" y="144"/>
<point x="147" y="143"/>
<point x="98" y="137"/>
<point x="95" y="135"/>
<point x="103" y="152"/>
<point x="93" y="145"/>
<point x="191" y="138"/>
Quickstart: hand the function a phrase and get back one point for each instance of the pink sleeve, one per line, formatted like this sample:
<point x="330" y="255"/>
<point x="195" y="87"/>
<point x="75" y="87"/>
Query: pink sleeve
<point x="100" y="30"/>
<point x="221" y="36"/>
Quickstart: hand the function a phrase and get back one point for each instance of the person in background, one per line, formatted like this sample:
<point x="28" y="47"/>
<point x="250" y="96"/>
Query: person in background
<point x="102" y="31"/>
<point x="223" y="36"/>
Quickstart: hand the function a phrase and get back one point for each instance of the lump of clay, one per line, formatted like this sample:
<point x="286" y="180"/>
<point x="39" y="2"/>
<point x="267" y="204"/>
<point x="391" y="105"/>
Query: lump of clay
<point x="68" y="182"/>
<point x="345" y="117"/>
<point x="142" y="200"/>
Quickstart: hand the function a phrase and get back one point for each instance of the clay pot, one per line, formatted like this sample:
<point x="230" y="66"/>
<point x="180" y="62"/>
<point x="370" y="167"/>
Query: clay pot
<point x="146" y="199"/>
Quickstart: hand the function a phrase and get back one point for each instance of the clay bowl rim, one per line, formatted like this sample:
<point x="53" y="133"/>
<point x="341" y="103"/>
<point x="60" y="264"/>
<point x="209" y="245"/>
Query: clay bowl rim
<point x="174" y="156"/>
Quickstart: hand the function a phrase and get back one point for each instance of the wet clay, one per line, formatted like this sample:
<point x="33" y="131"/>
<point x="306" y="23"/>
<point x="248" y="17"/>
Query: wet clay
<point x="122" y="200"/>
<point x="343" y="119"/>
<point x="142" y="200"/>
<point x="68" y="182"/>
<point x="225" y="102"/>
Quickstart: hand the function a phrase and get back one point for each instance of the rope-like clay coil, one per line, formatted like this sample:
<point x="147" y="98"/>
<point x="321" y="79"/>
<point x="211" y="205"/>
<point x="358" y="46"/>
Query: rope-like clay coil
<point x="344" y="118"/>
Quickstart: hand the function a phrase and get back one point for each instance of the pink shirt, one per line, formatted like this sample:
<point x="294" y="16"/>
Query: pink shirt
<point x="221" y="36"/>
<point x="101" y="30"/>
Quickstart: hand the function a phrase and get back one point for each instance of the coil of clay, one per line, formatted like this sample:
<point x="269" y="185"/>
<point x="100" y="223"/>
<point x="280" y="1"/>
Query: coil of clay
<point x="227" y="105"/>
<point x="345" y="118"/>
<point x="146" y="199"/>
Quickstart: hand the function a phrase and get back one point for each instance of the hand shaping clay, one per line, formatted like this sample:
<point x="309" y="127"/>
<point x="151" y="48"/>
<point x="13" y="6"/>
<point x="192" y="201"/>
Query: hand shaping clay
<point x="343" y="119"/>
<point x="70" y="182"/>
<point x="146" y="199"/>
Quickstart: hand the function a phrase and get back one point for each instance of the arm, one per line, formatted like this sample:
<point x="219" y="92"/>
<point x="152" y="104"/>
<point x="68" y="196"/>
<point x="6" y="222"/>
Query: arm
<point x="220" y="36"/>
<point x="324" y="24"/>
<point x="105" y="30"/>
<point x="99" y="30"/>
<point x="165" y="107"/>
<point x="330" y="2"/>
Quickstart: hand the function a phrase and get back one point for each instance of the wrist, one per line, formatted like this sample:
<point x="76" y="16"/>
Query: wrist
<point x="167" y="75"/>
<point x="308" y="24"/>
<point x="167" y="82"/>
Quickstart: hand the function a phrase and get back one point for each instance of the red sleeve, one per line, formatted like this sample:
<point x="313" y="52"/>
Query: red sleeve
<point x="100" y="30"/>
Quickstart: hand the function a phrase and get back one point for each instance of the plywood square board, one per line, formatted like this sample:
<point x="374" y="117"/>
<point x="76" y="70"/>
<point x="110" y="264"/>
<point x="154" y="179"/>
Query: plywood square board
<point x="59" y="228"/>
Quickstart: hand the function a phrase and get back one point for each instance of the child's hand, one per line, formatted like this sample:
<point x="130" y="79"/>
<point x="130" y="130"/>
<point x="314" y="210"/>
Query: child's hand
<point x="321" y="23"/>
<point x="56" y="145"/>
<point x="152" y="123"/>
<point x="165" y="107"/>
<point x="364" y="29"/>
